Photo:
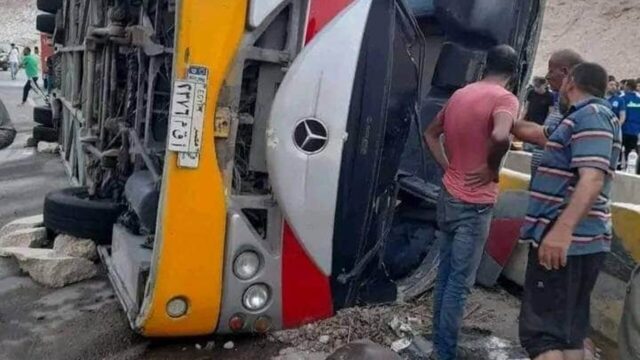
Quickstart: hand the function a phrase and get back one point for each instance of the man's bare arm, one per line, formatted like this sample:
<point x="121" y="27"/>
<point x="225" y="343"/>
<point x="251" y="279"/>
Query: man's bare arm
<point x="500" y="139"/>
<point x="623" y="117"/>
<point x="432" y="137"/>
<point x="498" y="146"/>
<point x="530" y="132"/>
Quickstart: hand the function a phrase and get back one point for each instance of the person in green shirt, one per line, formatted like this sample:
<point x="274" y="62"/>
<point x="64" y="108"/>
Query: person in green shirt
<point x="31" y="68"/>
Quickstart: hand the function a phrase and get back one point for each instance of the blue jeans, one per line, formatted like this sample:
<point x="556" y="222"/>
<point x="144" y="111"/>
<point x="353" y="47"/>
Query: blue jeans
<point x="14" y="70"/>
<point x="464" y="228"/>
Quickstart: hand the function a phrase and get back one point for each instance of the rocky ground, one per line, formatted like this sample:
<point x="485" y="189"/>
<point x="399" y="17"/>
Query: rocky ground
<point x="602" y="31"/>
<point x="18" y="22"/>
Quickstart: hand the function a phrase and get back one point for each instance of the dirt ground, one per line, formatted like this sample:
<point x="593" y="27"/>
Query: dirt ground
<point x="488" y="311"/>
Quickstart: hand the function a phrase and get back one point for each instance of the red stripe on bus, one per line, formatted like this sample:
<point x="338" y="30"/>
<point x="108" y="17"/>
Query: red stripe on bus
<point x="503" y="238"/>
<point x="321" y="12"/>
<point x="306" y="291"/>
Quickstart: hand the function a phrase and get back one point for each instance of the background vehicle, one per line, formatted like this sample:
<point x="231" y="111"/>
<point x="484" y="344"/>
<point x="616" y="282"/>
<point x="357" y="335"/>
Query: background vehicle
<point x="4" y="56"/>
<point x="245" y="176"/>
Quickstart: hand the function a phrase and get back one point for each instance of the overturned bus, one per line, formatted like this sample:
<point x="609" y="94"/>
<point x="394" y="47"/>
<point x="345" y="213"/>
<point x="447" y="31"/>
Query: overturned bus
<point x="241" y="162"/>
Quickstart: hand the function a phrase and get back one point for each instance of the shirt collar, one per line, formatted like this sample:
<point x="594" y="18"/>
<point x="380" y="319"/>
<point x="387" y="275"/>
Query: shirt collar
<point x="589" y="100"/>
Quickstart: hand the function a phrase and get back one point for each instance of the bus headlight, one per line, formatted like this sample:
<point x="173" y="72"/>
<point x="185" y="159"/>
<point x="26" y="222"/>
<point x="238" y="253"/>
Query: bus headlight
<point x="256" y="297"/>
<point x="246" y="265"/>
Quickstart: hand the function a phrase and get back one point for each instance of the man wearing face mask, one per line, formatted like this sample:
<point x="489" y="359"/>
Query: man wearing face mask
<point x="560" y="64"/>
<point x="568" y="222"/>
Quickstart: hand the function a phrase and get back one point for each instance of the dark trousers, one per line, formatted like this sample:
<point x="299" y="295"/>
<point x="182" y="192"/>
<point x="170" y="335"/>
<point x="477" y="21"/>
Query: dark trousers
<point x="554" y="313"/>
<point x="27" y="88"/>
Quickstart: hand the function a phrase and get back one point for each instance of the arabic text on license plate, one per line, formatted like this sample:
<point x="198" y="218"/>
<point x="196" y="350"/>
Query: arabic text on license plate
<point x="187" y="116"/>
<point x="182" y="101"/>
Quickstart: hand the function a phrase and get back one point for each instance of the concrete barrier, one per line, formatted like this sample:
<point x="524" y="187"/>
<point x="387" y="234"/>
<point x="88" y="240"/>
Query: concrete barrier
<point x="519" y="161"/>
<point x="626" y="187"/>
<point x="626" y="223"/>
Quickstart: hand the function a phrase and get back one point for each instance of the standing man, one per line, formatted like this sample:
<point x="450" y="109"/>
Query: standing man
<point x="14" y="61"/>
<point x="631" y="126"/>
<point x="568" y="222"/>
<point x="539" y="101"/>
<point x="476" y="123"/>
<point x="560" y="64"/>
<point x="30" y="65"/>
<point x="618" y="106"/>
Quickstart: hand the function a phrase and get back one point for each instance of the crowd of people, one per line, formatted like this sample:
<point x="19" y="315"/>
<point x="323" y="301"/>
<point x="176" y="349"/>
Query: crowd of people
<point x="574" y="122"/>
<point x="624" y="98"/>
<point x="29" y="61"/>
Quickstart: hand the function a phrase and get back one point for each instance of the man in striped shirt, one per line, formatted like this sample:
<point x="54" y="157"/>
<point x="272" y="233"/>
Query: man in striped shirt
<point x="560" y="64"/>
<point x="569" y="218"/>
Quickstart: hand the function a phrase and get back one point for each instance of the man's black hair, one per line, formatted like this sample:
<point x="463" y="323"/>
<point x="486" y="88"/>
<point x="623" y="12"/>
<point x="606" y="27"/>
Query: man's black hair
<point x="502" y="60"/>
<point x="591" y="78"/>
<point x="539" y="81"/>
<point x="612" y="78"/>
<point x="632" y="84"/>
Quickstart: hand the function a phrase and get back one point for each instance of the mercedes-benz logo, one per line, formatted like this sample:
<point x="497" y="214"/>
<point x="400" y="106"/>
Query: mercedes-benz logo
<point x="310" y="136"/>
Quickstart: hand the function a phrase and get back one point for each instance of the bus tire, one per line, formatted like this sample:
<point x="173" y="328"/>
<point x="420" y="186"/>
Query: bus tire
<point x="59" y="34"/>
<point x="50" y="6"/>
<point x="45" y="133"/>
<point x="43" y="116"/>
<point x="71" y="211"/>
<point x="46" y="23"/>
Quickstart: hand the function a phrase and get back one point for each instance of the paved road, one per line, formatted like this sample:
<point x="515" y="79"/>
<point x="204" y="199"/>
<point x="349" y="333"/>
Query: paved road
<point x="82" y="321"/>
<point x="25" y="177"/>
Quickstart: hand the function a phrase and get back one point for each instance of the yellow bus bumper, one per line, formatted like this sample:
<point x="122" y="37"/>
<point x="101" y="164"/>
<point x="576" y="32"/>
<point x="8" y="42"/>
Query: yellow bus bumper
<point x="189" y="248"/>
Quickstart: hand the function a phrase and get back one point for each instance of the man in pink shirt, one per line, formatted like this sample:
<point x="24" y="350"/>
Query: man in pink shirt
<point x="476" y="123"/>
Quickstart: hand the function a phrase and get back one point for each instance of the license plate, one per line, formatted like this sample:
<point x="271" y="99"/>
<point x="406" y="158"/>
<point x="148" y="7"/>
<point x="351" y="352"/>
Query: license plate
<point x="188" y="104"/>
